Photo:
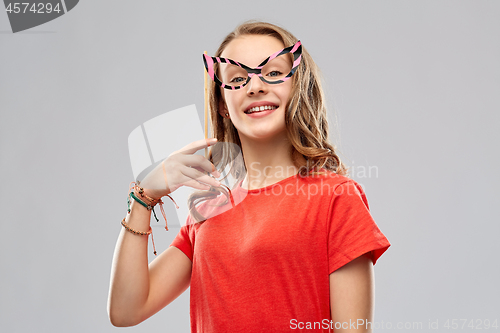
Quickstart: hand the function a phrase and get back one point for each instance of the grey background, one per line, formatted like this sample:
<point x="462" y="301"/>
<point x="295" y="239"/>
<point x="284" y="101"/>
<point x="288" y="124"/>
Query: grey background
<point x="414" y="86"/>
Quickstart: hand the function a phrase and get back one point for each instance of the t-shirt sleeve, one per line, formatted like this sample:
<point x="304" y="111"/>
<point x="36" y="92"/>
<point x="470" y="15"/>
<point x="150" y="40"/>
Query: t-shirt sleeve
<point x="352" y="231"/>
<point x="184" y="242"/>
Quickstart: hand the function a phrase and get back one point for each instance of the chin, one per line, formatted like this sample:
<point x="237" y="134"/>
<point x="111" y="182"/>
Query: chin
<point x="263" y="134"/>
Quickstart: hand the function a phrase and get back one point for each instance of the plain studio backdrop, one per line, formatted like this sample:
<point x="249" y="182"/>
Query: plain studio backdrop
<point x="413" y="91"/>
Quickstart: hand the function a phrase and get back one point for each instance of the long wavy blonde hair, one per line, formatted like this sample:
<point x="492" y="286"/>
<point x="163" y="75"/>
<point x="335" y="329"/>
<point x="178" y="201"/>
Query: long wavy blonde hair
<point x="306" y="119"/>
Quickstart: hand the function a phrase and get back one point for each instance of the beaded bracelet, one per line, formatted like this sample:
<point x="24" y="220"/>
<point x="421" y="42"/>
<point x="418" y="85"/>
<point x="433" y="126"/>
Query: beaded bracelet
<point x="142" y="233"/>
<point x="147" y="201"/>
<point x="138" y="194"/>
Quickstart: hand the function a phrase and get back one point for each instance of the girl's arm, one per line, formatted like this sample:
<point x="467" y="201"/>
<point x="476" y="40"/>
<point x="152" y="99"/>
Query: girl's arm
<point x="138" y="290"/>
<point x="352" y="296"/>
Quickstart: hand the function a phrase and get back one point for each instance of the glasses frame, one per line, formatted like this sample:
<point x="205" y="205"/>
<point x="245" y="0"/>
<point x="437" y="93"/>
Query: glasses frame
<point x="295" y="49"/>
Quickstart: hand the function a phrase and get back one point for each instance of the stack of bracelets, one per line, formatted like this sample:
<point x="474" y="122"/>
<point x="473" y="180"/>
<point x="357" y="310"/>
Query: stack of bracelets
<point x="138" y="194"/>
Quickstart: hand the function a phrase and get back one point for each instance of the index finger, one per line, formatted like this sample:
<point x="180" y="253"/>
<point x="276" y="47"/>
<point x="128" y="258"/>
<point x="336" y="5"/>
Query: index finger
<point x="197" y="145"/>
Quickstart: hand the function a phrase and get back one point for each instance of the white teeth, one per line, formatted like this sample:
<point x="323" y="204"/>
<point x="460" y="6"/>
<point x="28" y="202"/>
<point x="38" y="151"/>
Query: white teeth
<point x="261" y="108"/>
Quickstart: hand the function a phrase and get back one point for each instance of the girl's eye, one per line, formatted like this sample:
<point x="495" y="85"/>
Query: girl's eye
<point x="274" y="73"/>
<point x="237" y="80"/>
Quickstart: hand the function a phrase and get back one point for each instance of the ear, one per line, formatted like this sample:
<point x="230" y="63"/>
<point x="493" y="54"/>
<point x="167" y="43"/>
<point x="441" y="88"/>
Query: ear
<point x="222" y="107"/>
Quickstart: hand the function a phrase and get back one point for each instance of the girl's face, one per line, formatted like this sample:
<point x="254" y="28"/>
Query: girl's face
<point x="251" y="50"/>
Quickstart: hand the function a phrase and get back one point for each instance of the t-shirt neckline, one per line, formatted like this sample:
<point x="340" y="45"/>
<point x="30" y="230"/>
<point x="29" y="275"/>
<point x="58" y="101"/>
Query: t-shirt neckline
<point x="268" y="187"/>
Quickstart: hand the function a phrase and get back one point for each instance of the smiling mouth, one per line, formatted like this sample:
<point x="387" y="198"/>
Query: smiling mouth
<point x="261" y="108"/>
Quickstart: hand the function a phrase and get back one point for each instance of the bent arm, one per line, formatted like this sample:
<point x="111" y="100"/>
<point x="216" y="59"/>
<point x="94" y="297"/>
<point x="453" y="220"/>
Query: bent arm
<point x="352" y="295"/>
<point x="138" y="290"/>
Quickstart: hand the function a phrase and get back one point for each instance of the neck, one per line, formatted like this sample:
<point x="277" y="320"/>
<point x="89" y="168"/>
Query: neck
<point x="267" y="161"/>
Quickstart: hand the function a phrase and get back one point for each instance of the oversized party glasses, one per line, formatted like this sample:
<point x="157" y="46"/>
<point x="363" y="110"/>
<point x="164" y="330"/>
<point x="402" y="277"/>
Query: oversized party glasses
<point x="277" y="68"/>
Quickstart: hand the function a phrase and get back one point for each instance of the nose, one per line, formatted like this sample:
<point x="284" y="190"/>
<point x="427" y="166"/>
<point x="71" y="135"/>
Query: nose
<point x="256" y="85"/>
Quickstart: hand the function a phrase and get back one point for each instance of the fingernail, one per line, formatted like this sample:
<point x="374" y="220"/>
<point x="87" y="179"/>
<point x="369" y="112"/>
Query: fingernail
<point x="212" y="139"/>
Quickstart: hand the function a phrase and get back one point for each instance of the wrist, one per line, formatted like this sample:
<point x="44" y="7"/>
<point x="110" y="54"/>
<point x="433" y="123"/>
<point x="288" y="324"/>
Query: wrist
<point x="151" y="190"/>
<point x="143" y="198"/>
<point x="153" y="195"/>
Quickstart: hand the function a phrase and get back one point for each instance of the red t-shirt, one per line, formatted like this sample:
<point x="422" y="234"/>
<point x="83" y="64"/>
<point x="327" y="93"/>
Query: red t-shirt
<point x="264" y="265"/>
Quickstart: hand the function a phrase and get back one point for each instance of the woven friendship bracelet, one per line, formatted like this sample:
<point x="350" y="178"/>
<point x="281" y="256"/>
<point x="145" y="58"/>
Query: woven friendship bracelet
<point x="148" y="206"/>
<point x="139" y="195"/>
<point x="141" y="192"/>
<point x="145" y="233"/>
<point x="147" y="201"/>
<point x="142" y="233"/>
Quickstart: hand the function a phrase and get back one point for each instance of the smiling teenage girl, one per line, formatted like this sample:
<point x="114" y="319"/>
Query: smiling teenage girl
<point x="297" y="251"/>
